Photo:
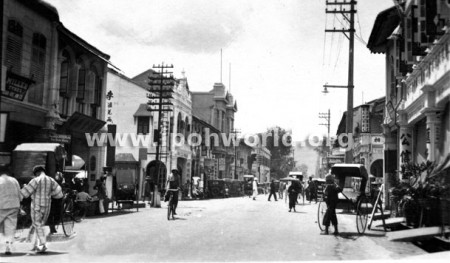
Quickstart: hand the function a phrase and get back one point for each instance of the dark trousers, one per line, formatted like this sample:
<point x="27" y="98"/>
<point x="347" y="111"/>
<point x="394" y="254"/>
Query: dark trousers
<point x="274" y="195"/>
<point x="83" y="206"/>
<point x="330" y="216"/>
<point x="55" y="212"/>
<point x="292" y="200"/>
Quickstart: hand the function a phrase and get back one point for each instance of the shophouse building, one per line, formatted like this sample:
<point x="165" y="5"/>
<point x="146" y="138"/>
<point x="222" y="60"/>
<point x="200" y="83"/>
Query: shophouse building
<point x="414" y="36"/>
<point x="217" y="107"/>
<point x="368" y="138"/>
<point x="53" y="84"/>
<point x="176" y="126"/>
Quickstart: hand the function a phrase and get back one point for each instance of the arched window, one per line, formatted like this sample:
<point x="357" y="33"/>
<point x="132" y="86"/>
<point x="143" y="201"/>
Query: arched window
<point x="14" y="43"/>
<point x="187" y="127"/>
<point x="64" y="84"/>
<point x="179" y="121"/>
<point x="37" y="68"/>
<point x="81" y="90"/>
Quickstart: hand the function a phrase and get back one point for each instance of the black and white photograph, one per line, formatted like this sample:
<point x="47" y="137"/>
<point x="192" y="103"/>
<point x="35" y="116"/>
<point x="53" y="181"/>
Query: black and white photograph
<point x="225" y="131"/>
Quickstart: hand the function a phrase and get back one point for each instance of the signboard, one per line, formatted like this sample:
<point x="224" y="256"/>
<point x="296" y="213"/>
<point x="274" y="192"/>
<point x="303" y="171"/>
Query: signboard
<point x="59" y="138"/>
<point x="332" y="160"/>
<point x="16" y="86"/>
<point x="377" y="140"/>
<point x="221" y="164"/>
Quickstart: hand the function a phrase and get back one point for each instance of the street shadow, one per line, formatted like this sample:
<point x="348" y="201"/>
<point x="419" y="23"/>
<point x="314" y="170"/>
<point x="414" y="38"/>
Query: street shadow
<point x="112" y="214"/>
<point x="48" y="253"/>
<point x="356" y="235"/>
<point x="179" y="218"/>
<point x="14" y="254"/>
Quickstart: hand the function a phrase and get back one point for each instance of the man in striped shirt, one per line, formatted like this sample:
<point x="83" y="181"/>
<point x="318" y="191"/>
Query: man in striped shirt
<point x="41" y="189"/>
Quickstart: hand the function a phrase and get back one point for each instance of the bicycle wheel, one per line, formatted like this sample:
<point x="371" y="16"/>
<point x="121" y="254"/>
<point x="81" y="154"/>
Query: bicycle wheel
<point x="321" y="210"/>
<point x="67" y="220"/>
<point x="363" y="210"/>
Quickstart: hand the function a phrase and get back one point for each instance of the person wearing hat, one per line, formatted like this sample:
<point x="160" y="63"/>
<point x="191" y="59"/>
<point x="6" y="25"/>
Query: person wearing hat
<point x="255" y="188"/>
<point x="312" y="189"/>
<point x="331" y="199"/>
<point x="10" y="198"/>
<point x="173" y="184"/>
<point x="41" y="189"/>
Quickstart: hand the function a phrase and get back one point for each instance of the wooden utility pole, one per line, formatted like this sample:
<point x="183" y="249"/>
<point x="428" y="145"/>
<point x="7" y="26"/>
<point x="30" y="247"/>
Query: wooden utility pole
<point x="348" y="15"/>
<point x="327" y="118"/>
<point x="161" y="89"/>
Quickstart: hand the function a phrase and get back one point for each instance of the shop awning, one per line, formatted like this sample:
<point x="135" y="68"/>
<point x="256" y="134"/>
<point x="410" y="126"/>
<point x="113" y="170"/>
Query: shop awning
<point x="384" y="26"/>
<point x="79" y="122"/>
<point x="142" y="111"/>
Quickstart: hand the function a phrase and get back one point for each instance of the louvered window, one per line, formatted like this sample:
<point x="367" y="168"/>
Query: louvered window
<point x="37" y="69"/>
<point x="64" y="84"/>
<point x="64" y="74"/>
<point x="81" y="89"/>
<point x="13" y="56"/>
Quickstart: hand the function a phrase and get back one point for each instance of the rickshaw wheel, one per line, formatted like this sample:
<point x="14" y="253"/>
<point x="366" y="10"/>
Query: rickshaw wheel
<point x="67" y="220"/>
<point x="321" y="210"/>
<point x="363" y="209"/>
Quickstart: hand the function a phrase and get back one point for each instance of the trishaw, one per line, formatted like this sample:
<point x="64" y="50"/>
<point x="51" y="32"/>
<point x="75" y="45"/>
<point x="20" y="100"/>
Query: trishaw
<point x="52" y="155"/>
<point x="351" y="201"/>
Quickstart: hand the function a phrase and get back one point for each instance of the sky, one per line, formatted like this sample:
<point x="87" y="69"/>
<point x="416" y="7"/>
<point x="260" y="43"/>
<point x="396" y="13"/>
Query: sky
<point x="277" y="50"/>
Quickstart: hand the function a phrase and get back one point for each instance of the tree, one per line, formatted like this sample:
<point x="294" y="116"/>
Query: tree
<point x="302" y="168"/>
<point x="281" y="162"/>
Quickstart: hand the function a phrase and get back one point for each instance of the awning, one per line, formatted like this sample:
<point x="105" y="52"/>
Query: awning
<point x="125" y="157"/>
<point x="384" y="26"/>
<point x="79" y="122"/>
<point x="142" y="111"/>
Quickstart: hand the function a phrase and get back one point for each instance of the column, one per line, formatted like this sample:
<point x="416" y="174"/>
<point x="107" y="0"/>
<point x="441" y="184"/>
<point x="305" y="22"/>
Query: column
<point x="405" y="143"/>
<point x="432" y="137"/>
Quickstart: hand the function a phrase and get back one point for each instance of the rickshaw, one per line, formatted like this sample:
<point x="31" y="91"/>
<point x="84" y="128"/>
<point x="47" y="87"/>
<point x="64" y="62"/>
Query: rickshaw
<point x="24" y="157"/>
<point x="351" y="201"/>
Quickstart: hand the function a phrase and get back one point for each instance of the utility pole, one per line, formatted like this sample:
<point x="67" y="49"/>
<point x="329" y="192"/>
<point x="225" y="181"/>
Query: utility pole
<point x="351" y="37"/>
<point x="327" y="117"/>
<point x="161" y="89"/>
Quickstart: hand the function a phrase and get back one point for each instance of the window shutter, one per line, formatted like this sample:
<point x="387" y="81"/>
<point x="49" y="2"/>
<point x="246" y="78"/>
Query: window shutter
<point x="90" y="84"/>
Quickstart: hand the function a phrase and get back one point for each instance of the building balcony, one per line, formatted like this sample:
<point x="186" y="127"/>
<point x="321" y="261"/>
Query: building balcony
<point x="432" y="73"/>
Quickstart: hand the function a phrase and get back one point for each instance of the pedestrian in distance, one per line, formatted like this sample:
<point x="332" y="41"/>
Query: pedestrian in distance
<point x="255" y="188"/>
<point x="82" y="201"/>
<point x="312" y="189"/>
<point x="272" y="190"/>
<point x="281" y="189"/>
<point x="331" y="199"/>
<point x="147" y="189"/>
<point x="41" y="189"/>
<point x="101" y="193"/>
<point x="292" y="193"/>
<point x="10" y="198"/>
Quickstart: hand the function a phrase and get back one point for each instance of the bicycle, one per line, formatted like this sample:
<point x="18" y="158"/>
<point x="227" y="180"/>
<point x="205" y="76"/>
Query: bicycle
<point x="171" y="205"/>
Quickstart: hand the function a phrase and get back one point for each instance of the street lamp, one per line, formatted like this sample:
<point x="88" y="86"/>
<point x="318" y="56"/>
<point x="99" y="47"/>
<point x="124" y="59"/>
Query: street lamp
<point x="349" y="118"/>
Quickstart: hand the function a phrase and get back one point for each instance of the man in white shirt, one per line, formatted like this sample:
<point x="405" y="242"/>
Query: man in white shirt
<point x="10" y="198"/>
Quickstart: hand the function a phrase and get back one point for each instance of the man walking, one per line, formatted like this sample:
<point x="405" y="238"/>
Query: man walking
<point x="10" y="198"/>
<point x="41" y="189"/>
<point x="272" y="190"/>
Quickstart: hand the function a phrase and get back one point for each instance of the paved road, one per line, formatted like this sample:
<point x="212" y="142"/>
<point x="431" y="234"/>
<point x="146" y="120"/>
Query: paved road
<point x="234" y="229"/>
